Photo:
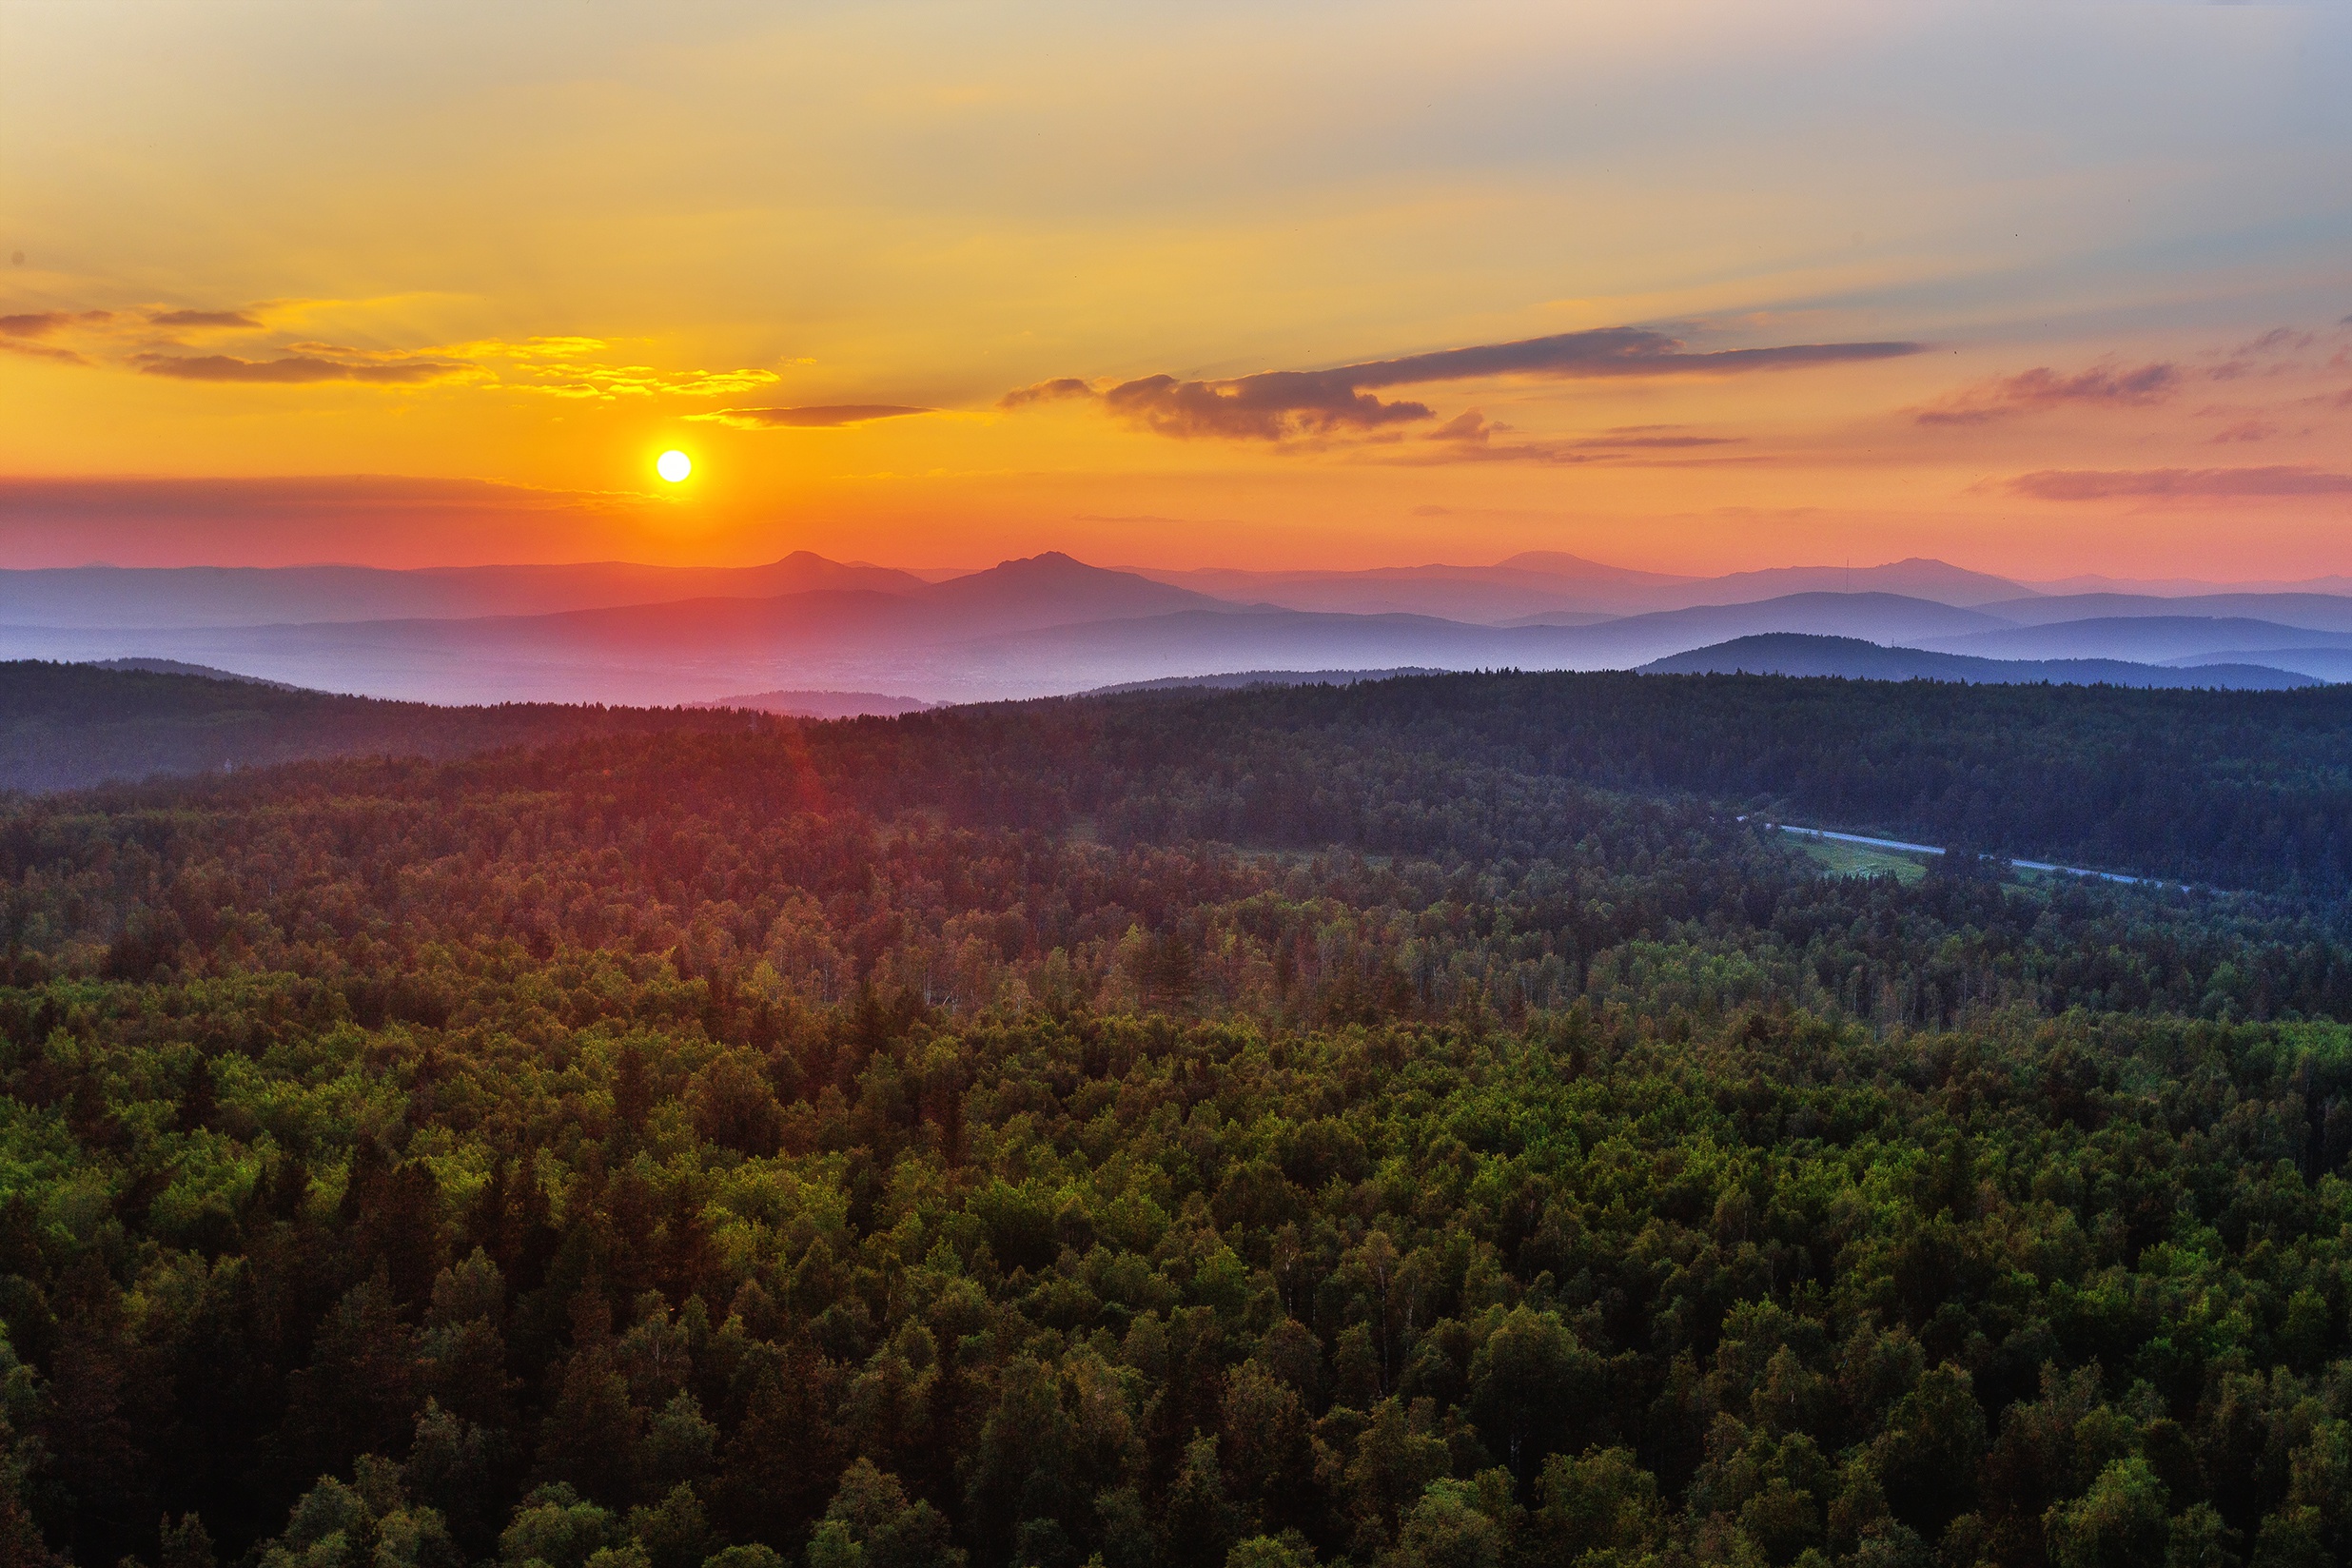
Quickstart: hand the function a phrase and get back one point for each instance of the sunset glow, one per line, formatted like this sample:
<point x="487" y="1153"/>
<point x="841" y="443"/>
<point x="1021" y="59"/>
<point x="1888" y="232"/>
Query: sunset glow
<point x="2036" y="290"/>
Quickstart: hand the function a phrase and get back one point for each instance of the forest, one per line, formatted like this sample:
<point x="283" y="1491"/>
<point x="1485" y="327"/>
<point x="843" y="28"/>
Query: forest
<point x="1416" y="1124"/>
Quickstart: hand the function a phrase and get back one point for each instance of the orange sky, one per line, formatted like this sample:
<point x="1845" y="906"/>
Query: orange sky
<point x="428" y="284"/>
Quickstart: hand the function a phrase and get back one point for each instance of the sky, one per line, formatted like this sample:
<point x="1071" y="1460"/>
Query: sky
<point x="2040" y="290"/>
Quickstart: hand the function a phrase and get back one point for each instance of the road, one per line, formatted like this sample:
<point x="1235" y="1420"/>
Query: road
<point x="1930" y="848"/>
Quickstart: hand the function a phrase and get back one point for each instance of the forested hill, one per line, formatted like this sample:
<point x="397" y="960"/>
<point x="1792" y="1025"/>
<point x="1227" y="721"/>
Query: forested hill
<point x="930" y="1144"/>
<point x="66" y="726"/>
<point x="2248" y="789"/>
<point x="2235" y="789"/>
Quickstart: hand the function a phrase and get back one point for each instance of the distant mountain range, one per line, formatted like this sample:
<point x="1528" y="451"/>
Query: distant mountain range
<point x="809" y="629"/>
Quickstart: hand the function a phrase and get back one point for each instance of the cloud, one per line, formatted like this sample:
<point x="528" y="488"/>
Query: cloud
<point x="2177" y="483"/>
<point x="40" y="351"/>
<point x="1468" y="437"/>
<point x="2271" y="354"/>
<point x="525" y="348"/>
<point x="830" y="416"/>
<point x="1292" y="405"/>
<point x="292" y="370"/>
<point x="2037" y="390"/>
<point x="205" y="317"/>
<point x="40" y="324"/>
<point x="1659" y="435"/>
<point x="561" y="366"/>
<point x="642" y="380"/>
<point x="1273" y="405"/>
<point x="1066" y="386"/>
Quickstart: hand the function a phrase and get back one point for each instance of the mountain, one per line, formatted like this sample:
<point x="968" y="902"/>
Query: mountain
<point x="1544" y="587"/>
<point x="2328" y="664"/>
<point x="1914" y="577"/>
<point x="2313" y="612"/>
<point x="1478" y="594"/>
<point x="1050" y="590"/>
<point x="158" y="598"/>
<point x="1028" y="628"/>
<point x="1194" y="642"/>
<point x="1050" y="624"/>
<point x="678" y="651"/>
<point x="2337" y="585"/>
<point x="1788" y="654"/>
<point x="1876" y="616"/>
<point x="2149" y="639"/>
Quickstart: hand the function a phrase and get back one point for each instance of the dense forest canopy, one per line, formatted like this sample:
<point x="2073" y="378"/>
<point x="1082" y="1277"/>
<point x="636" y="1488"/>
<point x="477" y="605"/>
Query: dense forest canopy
<point x="1412" y="1125"/>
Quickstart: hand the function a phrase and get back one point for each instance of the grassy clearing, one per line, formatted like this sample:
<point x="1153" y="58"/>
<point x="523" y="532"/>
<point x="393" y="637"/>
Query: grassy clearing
<point x="1855" y="860"/>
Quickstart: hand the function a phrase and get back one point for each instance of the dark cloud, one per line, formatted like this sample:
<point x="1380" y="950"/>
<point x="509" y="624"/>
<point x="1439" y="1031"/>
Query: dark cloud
<point x="296" y="369"/>
<point x="829" y="416"/>
<point x="2043" y="388"/>
<point x="1289" y="404"/>
<point x="1602" y="351"/>
<point x="1052" y="391"/>
<point x="204" y="318"/>
<point x="40" y="324"/>
<point x="1274" y="405"/>
<point x="2101" y="484"/>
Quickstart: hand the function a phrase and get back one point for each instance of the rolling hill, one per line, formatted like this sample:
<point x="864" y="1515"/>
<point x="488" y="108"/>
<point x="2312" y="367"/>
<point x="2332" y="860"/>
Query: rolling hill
<point x="1787" y="654"/>
<point x="64" y="726"/>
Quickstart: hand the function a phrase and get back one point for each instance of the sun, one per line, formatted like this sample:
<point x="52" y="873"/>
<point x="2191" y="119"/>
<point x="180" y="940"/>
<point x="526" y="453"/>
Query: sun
<point x="674" y="466"/>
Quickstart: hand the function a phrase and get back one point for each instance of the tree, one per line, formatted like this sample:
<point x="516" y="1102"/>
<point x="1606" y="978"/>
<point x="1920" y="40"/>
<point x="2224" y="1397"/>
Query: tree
<point x="871" y="1524"/>
<point x="1600" y="1501"/>
<point x="1530" y="1382"/>
<point x="1927" y="1457"/>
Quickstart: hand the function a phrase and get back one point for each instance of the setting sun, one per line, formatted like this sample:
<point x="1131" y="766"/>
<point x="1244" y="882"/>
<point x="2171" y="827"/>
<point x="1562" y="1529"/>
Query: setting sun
<point x="674" y="466"/>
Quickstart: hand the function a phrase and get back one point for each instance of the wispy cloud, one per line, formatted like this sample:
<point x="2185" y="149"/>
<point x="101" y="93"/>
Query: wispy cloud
<point x="1469" y="438"/>
<point x="2277" y="352"/>
<point x="641" y="380"/>
<point x="146" y="340"/>
<point x="293" y="370"/>
<point x="2040" y="389"/>
<point x="2165" y="484"/>
<point x="828" y="416"/>
<point x="1291" y="404"/>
